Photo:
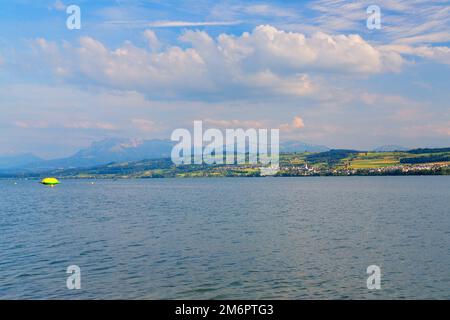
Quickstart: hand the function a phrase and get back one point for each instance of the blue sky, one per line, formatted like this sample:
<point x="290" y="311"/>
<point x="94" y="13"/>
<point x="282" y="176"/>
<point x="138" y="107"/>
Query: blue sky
<point x="140" y="69"/>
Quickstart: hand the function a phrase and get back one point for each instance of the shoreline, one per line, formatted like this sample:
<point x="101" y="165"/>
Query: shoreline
<point x="219" y="177"/>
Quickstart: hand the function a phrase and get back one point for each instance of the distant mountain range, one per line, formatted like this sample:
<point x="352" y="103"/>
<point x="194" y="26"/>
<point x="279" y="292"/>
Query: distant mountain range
<point x="116" y="150"/>
<point x="122" y="158"/>
<point x="297" y="146"/>
<point x="340" y="162"/>
<point x="20" y="160"/>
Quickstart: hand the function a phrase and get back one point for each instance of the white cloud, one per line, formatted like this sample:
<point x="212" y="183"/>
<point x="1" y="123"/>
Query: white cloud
<point x="59" y="5"/>
<point x="89" y="125"/>
<point x="235" y="123"/>
<point x="152" y="39"/>
<point x="289" y="52"/>
<point x="265" y="61"/>
<point x="296" y="124"/>
<point x="31" y="124"/>
<point x="254" y="14"/>
<point x="83" y="124"/>
<point x="416" y="24"/>
<point x="402" y="20"/>
<point x="266" y="10"/>
<point x="440" y="54"/>
<point x="171" y="24"/>
<point x="434" y="37"/>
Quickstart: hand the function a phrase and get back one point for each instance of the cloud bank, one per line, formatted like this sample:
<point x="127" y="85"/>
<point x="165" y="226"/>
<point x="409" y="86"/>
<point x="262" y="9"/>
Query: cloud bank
<point x="266" y="61"/>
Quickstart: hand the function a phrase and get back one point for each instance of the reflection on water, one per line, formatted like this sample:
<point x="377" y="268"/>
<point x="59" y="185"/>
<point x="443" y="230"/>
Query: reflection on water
<point x="226" y="238"/>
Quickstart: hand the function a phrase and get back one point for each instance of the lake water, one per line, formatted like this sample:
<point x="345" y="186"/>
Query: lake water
<point x="227" y="238"/>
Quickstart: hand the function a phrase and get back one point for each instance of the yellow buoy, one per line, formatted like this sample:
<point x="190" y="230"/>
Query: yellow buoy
<point x="50" y="181"/>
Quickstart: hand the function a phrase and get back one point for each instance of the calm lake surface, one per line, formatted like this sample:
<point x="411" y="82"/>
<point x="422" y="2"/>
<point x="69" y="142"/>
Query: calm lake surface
<point x="227" y="238"/>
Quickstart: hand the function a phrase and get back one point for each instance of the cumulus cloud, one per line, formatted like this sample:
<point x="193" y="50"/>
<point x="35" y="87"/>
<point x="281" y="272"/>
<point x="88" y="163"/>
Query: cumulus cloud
<point x="127" y="67"/>
<point x="297" y="123"/>
<point x="265" y="61"/>
<point x="266" y="47"/>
